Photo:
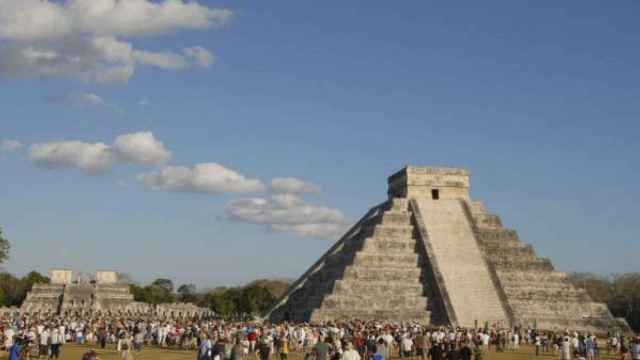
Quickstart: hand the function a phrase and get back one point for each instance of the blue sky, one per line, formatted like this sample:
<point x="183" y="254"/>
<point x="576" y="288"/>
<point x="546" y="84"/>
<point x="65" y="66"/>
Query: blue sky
<point x="538" y="100"/>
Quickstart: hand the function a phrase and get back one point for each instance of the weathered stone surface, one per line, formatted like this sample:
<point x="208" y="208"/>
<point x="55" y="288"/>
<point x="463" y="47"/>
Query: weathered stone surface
<point x="372" y="273"/>
<point x="61" y="276"/>
<point x="432" y="254"/>
<point x="472" y="292"/>
<point x="104" y="294"/>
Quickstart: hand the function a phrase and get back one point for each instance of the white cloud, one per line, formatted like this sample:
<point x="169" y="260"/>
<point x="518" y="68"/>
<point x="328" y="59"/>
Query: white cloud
<point x="85" y="39"/>
<point x="141" y="148"/>
<point x="98" y="158"/>
<point x="98" y="59"/>
<point x="92" y="158"/>
<point x="201" y="178"/>
<point x="201" y="55"/>
<point x="33" y="19"/>
<point x="293" y="185"/>
<point x="85" y="100"/>
<point x="288" y="212"/>
<point x="29" y="20"/>
<point x="164" y="60"/>
<point x="10" y="145"/>
<point x="80" y="99"/>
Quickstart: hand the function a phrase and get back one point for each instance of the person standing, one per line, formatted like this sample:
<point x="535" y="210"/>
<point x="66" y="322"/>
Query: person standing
<point x="205" y="350"/>
<point x="565" y="349"/>
<point x="102" y="337"/>
<point x="436" y="352"/>
<point x="15" y="350"/>
<point x="382" y="351"/>
<point x="264" y="348"/>
<point x="406" y="346"/>
<point x="350" y="353"/>
<point x="465" y="351"/>
<point x="54" y="347"/>
<point x="322" y="349"/>
<point x="125" y="348"/>
<point x="237" y="352"/>
<point x="538" y="344"/>
<point x="44" y="343"/>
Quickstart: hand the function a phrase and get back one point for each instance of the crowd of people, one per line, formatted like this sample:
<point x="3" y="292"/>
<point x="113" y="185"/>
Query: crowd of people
<point x="211" y="339"/>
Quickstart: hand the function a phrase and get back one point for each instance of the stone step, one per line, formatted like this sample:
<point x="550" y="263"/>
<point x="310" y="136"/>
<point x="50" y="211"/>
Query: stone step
<point x="388" y="244"/>
<point x="399" y="204"/>
<point x="419" y="315"/>
<point x="546" y="295"/>
<point x="378" y="287"/>
<point x="397" y="303"/>
<point x="559" y="308"/>
<point x="537" y="264"/>
<point x="389" y="260"/>
<point x="488" y="221"/>
<point x="390" y="217"/>
<point x="381" y="273"/>
<point x="549" y="287"/>
<point x="520" y="254"/>
<point x="497" y="235"/>
<point x="493" y="247"/>
<point x="389" y="231"/>
<point x="542" y="277"/>
<point x="369" y="257"/>
<point x="396" y="218"/>
<point x="476" y="208"/>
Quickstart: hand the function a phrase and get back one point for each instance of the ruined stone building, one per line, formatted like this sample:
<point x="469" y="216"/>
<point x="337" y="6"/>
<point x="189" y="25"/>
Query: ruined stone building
<point x="432" y="254"/>
<point x="105" y="293"/>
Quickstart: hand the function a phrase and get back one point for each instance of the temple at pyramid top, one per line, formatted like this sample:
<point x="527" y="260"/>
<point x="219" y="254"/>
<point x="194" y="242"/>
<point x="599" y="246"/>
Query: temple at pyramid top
<point x="431" y="254"/>
<point x="430" y="182"/>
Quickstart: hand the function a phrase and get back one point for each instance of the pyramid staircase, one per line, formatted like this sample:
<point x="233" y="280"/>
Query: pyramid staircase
<point x="431" y="254"/>
<point x="536" y="293"/>
<point x="373" y="273"/>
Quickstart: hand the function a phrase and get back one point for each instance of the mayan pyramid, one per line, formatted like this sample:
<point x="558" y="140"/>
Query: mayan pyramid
<point x="433" y="255"/>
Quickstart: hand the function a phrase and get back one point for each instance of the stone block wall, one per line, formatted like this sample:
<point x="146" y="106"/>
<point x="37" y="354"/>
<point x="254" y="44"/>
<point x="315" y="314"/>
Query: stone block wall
<point x="433" y="255"/>
<point x="373" y="275"/>
<point x="536" y="293"/>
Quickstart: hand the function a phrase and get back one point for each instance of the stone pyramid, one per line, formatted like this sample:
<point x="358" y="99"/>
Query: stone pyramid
<point x="431" y="254"/>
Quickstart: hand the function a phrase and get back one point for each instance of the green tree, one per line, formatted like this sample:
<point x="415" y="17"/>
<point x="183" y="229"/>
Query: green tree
<point x="625" y="300"/>
<point x="255" y="299"/>
<point x="187" y="293"/>
<point x="155" y="294"/>
<point x="598" y="287"/>
<point x="224" y="301"/>
<point x="14" y="289"/>
<point x="4" y="248"/>
<point x="166" y="284"/>
<point x="620" y="292"/>
<point x="34" y="277"/>
<point x="138" y="292"/>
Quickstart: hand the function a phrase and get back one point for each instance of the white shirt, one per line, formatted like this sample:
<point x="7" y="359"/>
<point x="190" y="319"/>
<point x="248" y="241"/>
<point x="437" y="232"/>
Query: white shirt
<point x="44" y="337"/>
<point x="407" y="344"/>
<point x="350" y="355"/>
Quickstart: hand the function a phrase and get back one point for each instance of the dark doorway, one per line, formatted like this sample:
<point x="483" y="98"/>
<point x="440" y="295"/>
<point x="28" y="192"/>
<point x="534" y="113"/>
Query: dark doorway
<point x="435" y="194"/>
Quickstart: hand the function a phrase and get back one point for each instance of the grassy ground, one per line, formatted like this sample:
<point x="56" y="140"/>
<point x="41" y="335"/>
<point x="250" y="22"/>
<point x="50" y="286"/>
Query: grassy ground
<point x="73" y="352"/>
